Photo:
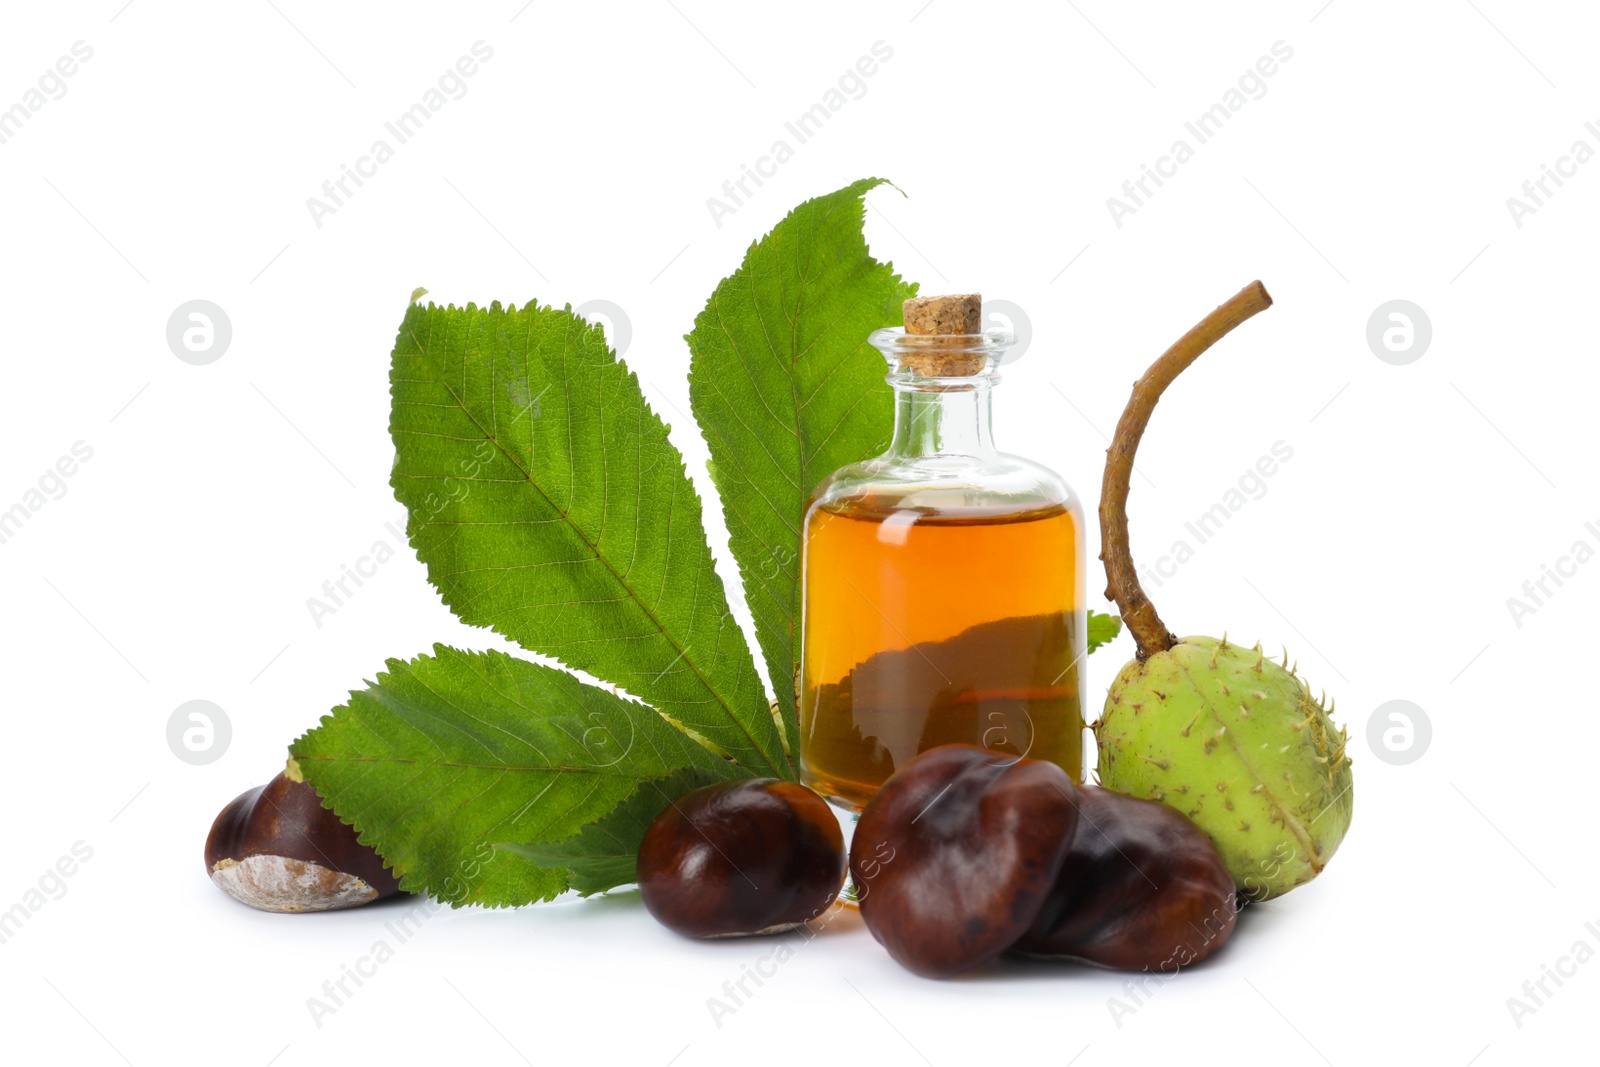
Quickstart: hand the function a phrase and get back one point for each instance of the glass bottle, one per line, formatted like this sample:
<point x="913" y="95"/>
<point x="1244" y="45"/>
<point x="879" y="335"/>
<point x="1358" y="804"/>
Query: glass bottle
<point x="943" y="585"/>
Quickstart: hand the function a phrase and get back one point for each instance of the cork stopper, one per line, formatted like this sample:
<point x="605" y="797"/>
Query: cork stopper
<point x="957" y="316"/>
<point x="957" y="313"/>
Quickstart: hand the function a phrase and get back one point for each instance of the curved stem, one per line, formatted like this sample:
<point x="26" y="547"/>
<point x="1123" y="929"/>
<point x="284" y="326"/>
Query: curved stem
<point x="1122" y="582"/>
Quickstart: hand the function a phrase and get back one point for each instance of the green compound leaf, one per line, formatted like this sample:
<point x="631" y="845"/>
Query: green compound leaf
<point x="548" y="504"/>
<point x="604" y="854"/>
<point x="446" y="754"/>
<point x="786" y="391"/>
<point x="1103" y="629"/>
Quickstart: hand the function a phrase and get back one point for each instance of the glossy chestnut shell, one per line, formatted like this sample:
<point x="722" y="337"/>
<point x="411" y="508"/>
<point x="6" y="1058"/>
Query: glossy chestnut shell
<point x="956" y="853"/>
<point x="1142" y="888"/>
<point x="276" y="848"/>
<point x="750" y="857"/>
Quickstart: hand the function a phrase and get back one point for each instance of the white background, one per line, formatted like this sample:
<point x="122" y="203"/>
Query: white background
<point x="577" y="167"/>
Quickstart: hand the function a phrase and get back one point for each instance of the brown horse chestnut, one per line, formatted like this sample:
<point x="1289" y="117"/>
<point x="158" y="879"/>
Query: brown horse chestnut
<point x="757" y="856"/>
<point x="277" y="848"/>
<point x="955" y="855"/>
<point x="1142" y="888"/>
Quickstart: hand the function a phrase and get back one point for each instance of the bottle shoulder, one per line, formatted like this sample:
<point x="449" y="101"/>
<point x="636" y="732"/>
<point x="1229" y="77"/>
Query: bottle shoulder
<point x="997" y="484"/>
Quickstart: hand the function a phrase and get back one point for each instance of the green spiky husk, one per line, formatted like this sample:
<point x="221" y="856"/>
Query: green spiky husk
<point x="1236" y="742"/>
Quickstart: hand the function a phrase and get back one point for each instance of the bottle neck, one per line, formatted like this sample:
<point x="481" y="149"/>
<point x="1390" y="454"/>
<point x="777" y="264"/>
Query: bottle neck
<point x="942" y="420"/>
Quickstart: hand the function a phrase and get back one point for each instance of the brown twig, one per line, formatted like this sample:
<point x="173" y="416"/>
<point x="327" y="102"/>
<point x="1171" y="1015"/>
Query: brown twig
<point x="1122" y="581"/>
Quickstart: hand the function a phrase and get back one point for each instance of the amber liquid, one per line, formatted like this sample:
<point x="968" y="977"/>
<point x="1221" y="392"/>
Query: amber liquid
<point x="924" y="627"/>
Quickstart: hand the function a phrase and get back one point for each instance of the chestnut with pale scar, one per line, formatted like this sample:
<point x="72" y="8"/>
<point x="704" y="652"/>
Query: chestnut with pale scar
<point x="276" y="848"/>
